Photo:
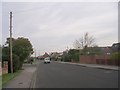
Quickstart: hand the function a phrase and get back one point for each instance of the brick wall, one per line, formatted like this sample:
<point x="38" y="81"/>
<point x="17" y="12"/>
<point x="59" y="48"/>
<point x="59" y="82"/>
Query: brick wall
<point x="97" y="59"/>
<point x="87" y="59"/>
<point x="5" y="68"/>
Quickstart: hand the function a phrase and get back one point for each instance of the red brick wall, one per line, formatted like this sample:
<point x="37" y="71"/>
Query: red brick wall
<point x="5" y="68"/>
<point x="87" y="59"/>
<point x="97" y="59"/>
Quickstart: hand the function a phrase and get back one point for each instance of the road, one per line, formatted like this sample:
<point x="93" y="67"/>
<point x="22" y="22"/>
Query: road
<point x="60" y="75"/>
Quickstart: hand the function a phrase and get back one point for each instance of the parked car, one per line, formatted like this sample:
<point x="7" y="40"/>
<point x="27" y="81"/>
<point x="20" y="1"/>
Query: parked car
<point x="47" y="60"/>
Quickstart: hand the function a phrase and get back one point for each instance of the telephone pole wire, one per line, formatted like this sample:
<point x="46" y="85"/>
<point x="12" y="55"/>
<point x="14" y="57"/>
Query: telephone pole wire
<point x="11" y="63"/>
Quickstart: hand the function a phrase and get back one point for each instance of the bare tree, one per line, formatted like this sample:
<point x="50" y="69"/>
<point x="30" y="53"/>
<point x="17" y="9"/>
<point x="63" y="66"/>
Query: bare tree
<point x="85" y="41"/>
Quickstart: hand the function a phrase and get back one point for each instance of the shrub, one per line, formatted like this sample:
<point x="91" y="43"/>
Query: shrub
<point x="16" y="64"/>
<point x="115" y="57"/>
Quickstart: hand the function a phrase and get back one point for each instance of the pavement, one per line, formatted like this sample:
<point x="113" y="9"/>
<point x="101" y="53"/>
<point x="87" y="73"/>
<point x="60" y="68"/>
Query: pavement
<point x="24" y="79"/>
<point x="99" y="66"/>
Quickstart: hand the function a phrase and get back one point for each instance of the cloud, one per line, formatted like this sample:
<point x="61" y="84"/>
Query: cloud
<point x="54" y="26"/>
<point x="0" y="23"/>
<point x="61" y="0"/>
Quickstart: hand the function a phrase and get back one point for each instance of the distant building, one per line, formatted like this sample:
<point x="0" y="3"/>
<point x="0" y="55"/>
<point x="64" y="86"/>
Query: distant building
<point x="98" y="50"/>
<point x="106" y="50"/>
<point x="116" y="47"/>
<point x="43" y="56"/>
<point x="56" y="55"/>
<point x="111" y="49"/>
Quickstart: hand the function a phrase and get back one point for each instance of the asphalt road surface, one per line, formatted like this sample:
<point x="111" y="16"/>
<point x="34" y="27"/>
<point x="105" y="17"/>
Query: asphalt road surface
<point x="60" y="75"/>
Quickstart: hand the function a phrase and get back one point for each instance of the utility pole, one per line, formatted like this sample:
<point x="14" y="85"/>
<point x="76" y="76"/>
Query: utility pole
<point x="11" y="64"/>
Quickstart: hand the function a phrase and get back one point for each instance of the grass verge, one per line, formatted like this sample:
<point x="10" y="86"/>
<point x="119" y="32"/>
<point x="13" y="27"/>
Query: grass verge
<point x="7" y="77"/>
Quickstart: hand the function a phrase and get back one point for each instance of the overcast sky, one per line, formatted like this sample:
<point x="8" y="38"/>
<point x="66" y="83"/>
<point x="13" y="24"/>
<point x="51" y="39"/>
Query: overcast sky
<point x="52" y="26"/>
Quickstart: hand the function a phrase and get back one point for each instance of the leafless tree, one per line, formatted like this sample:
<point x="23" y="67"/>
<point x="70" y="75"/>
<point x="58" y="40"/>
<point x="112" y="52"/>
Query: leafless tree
<point x="84" y="41"/>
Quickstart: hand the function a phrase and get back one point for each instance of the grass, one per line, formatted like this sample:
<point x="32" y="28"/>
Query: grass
<point x="7" y="77"/>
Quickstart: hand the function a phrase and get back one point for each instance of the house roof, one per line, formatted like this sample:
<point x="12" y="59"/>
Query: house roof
<point x="44" y="56"/>
<point x="116" y="47"/>
<point x="101" y="49"/>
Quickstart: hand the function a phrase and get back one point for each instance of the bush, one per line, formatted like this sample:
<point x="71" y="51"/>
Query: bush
<point x="72" y="55"/>
<point x="16" y="64"/>
<point x="66" y="58"/>
<point x="76" y="57"/>
<point x="116" y="56"/>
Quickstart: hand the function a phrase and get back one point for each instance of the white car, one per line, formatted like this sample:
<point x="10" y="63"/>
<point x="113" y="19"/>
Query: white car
<point x="47" y="60"/>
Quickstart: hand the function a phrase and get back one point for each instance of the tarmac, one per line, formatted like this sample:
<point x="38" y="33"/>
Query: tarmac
<point x="26" y="79"/>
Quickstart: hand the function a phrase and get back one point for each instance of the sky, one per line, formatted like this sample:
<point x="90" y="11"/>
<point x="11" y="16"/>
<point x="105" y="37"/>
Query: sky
<point x="54" y="26"/>
<point x="0" y="33"/>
